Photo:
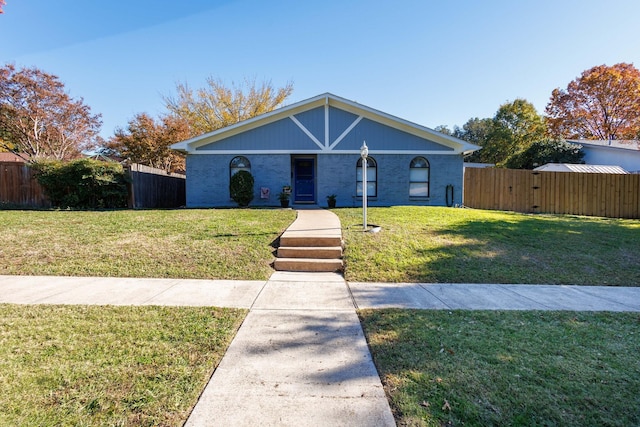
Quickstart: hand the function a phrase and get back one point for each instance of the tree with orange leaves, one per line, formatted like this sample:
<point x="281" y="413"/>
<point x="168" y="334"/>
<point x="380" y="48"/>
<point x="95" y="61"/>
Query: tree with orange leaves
<point x="146" y="141"/>
<point x="38" y="119"/>
<point x="603" y="103"/>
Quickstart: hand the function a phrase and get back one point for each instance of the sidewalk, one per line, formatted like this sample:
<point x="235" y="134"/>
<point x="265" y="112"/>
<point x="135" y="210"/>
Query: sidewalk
<point x="243" y="294"/>
<point x="443" y="296"/>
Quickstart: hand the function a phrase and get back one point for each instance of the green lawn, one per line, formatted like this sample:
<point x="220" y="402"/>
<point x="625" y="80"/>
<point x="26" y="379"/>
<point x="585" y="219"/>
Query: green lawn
<point x="98" y="366"/>
<point x="452" y="245"/>
<point x="508" y="368"/>
<point x="203" y="244"/>
<point x="416" y="244"/>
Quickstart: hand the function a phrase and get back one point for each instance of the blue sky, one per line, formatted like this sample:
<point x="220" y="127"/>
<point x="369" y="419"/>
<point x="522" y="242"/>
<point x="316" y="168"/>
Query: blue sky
<point x="430" y="62"/>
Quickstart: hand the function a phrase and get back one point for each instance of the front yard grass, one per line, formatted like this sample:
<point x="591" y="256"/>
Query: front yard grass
<point x="201" y="244"/>
<point x="507" y="368"/>
<point x="452" y="245"/>
<point x="96" y="366"/>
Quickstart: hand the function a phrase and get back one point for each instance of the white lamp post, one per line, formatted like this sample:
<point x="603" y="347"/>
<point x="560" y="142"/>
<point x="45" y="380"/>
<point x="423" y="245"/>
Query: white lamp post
<point x="364" y="152"/>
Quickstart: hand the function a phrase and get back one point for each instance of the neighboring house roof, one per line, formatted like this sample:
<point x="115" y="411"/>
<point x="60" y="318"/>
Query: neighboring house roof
<point x="478" y="165"/>
<point x="614" y="144"/>
<point x="323" y="138"/>
<point x="11" y="157"/>
<point x="568" y="167"/>
<point x="623" y="153"/>
<point x="104" y="158"/>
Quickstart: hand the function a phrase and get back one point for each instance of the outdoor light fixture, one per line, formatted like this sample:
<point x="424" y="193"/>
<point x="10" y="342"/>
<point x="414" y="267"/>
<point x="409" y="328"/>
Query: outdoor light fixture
<point x="364" y="152"/>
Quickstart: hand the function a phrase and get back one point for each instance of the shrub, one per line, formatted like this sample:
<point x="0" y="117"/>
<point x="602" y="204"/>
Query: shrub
<point x="83" y="183"/>
<point x="241" y="188"/>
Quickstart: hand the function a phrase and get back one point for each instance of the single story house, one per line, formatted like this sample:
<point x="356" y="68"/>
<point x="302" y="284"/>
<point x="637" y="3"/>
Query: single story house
<point x="313" y="148"/>
<point x="623" y="153"/>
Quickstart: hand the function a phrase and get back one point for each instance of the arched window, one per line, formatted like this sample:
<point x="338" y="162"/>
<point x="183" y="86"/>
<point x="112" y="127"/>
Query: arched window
<point x="372" y="177"/>
<point x="419" y="177"/>
<point x="238" y="164"/>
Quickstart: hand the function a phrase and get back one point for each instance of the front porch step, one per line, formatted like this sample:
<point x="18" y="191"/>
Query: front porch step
<point x="310" y="241"/>
<point x="310" y="252"/>
<point x="307" y="264"/>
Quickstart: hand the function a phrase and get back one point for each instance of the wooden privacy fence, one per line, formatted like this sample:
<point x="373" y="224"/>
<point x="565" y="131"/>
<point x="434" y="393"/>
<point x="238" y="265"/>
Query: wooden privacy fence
<point x="19" y="188"/>
<point x="149" y="188"/>
<point x="594" y="194"/>
<point x="155" y="188"/>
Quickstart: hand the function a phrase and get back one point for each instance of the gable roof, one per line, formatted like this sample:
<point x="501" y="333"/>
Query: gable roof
<point x="324" y="142"/>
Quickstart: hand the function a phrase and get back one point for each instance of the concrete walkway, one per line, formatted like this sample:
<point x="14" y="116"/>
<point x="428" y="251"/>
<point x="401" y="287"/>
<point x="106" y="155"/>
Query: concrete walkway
<point x="299" y="359"/>
<point x="313" y="224"/>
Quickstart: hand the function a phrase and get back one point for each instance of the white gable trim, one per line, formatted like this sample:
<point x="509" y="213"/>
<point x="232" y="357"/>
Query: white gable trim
<point x="307" y="132"/>
<point x="346" y="132"/>
<point x="326" y="123"/>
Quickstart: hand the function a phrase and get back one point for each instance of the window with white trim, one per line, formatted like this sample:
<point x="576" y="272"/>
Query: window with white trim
<point x="372" y="177"/>
<point x="419" y="177"/>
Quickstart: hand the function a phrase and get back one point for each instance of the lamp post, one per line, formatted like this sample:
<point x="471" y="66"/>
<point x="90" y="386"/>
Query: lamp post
<point x="364" y="152"/>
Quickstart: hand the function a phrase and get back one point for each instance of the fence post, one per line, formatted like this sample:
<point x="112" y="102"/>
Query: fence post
<point x="536" y="188"/>
<point x="131" y="202"/>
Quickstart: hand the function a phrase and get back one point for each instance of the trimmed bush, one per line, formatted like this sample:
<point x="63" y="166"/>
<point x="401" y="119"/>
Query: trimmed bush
<point x="83" y="183"/>
<point x="241" y="188"/>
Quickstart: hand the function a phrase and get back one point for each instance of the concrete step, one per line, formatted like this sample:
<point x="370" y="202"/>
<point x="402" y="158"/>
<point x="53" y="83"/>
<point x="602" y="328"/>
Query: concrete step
<point x="327" y="252"/>
<point x="310" y="241"/>
<point x="307" y="264"/>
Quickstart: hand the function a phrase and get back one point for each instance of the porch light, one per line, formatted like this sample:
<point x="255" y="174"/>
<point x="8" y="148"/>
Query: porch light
<point x="364" y="153"/>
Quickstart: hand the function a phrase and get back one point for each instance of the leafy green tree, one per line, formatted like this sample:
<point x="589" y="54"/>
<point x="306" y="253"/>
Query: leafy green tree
<point x="546" y="151"/>
<point x="476" y="131"/>
<point x="443" y="129"/>
<point x="603" y="103"/>
<point x="515" y="126"/>
<point x="217" y="106"/>
<point x="39" y="119"/>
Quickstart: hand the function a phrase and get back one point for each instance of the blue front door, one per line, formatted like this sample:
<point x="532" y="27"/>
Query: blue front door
<point x="304" y="180"/>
